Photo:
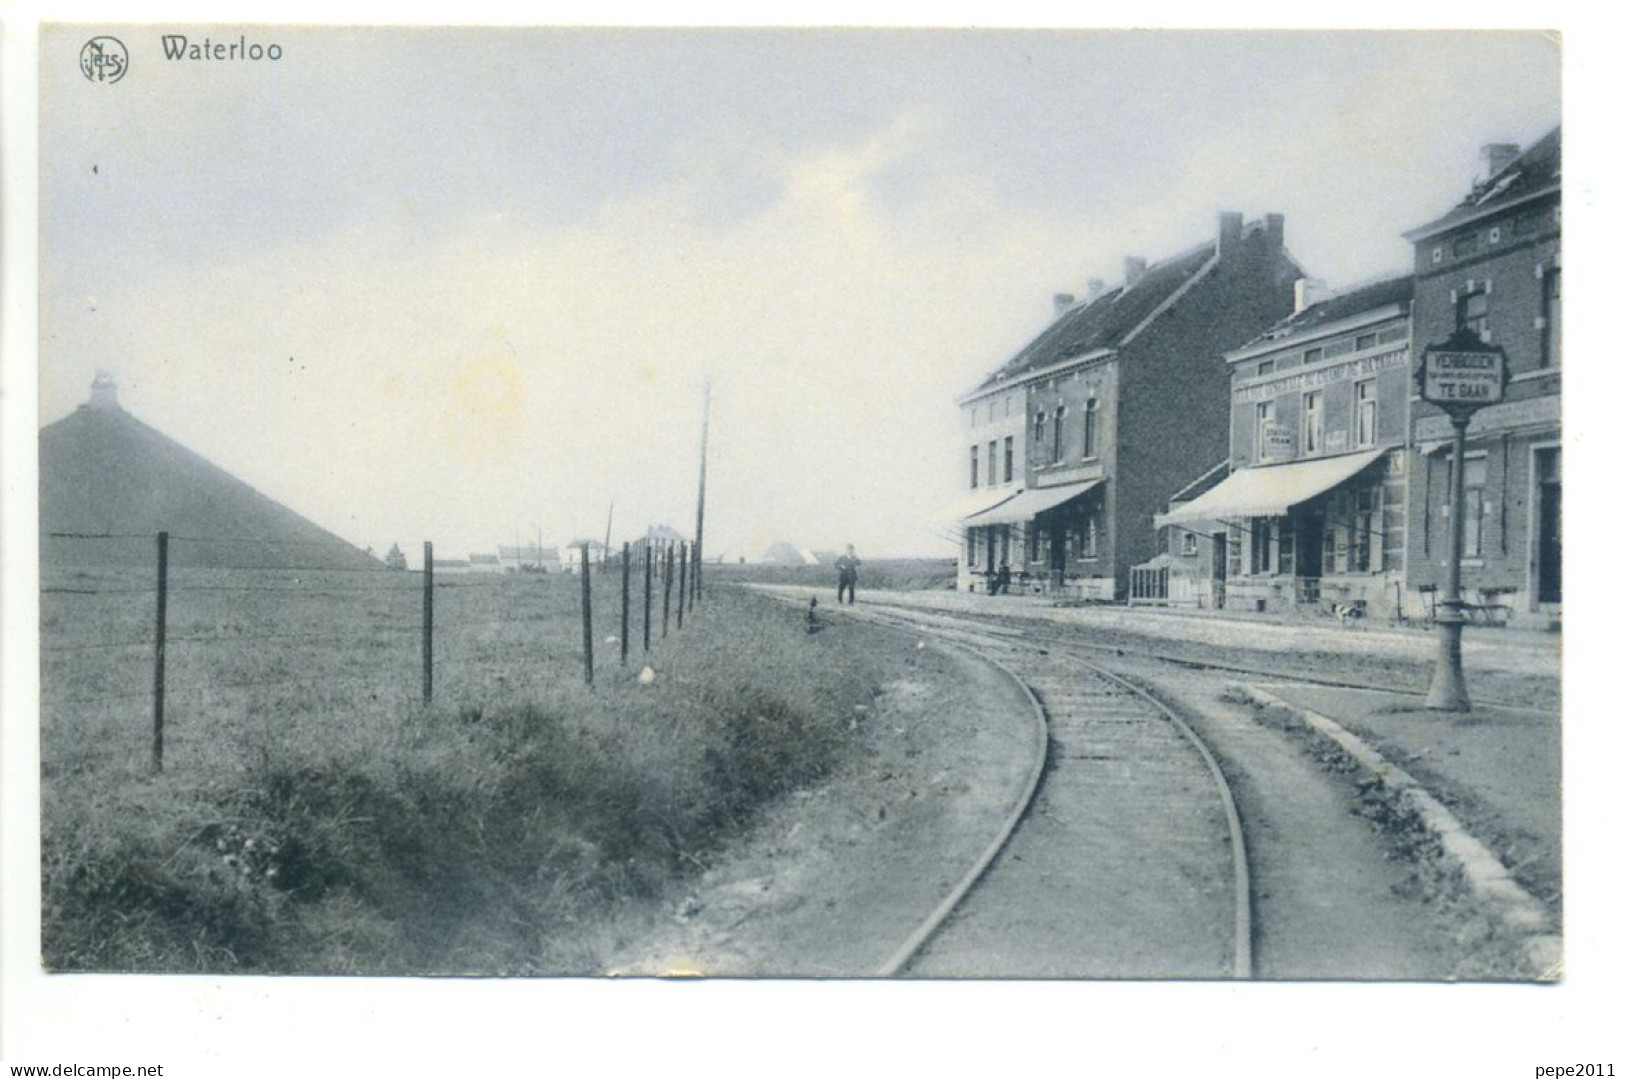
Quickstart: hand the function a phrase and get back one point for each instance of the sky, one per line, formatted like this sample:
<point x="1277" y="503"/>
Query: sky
<point x="468" y="286"/>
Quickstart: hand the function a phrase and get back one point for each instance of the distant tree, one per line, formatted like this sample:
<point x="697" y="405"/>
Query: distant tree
<point x="395" y="559"/>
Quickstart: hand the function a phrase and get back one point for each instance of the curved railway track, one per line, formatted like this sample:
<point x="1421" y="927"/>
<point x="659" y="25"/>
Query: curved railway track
<point x="1126" y="841"/>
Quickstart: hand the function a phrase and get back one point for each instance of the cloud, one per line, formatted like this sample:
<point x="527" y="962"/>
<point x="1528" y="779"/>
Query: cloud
<point x="509" y="375"/>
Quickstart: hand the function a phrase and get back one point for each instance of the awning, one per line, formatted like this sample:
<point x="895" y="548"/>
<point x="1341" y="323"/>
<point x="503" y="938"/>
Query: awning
<point x="974" y="503"/>
<point x="1029" y="504"/>
<point x="1271" y="490"/>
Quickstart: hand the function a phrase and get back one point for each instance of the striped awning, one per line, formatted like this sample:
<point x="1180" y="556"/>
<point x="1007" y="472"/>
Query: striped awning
<point x="1271" y="490"/>
<point x="1029" y="504"/>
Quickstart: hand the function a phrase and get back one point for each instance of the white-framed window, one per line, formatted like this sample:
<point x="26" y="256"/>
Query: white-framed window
<point x="1473" y="311"/>
<point x="1091" y="411"/>
<point x="1263" y="546"/>
<point x="975" y="466"/>
<point x="1264" y="416"/>
<point x="993" y="463"/>
<point x="1474" y="473"/>
<point x="1551" y="317"/>
<point x="1367" y="544"/>
<point x="1314" y="422"/>
<point x="1038" y="435"/>
<point x="1009" y="458"/>
<point x="1365" y="412"/>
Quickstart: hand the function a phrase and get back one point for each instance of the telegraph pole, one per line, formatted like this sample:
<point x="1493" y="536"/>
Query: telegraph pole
<point x="699" y="517"/>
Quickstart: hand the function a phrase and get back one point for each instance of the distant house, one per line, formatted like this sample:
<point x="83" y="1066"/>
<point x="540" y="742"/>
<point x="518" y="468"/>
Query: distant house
<point x="529" y="558"/>
<point x="787" y="554"/>
<point x="661" y="538"/>
<point x="484" y="563"/>
<point x="570" y="556"/>
<point x="452" y="565"/>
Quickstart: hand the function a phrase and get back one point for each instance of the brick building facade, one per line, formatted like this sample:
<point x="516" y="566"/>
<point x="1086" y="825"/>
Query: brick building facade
<point x="1124" y="401"/>
<point x="1493" y="264"/>
<point x="1313" y="511"/>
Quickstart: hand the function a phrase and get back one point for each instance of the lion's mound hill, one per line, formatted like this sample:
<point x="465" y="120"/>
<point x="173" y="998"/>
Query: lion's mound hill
<point x="104" y="471"/>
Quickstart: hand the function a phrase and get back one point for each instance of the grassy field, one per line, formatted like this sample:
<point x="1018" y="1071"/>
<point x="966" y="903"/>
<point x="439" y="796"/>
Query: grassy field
<point x="313" y="816"/>
<point x="877" y="574"/>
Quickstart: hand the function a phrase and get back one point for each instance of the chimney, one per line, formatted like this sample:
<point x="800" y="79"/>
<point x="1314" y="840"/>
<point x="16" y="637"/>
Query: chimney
<point x="1229" y="233"/>
<point x="1494" y="157"/>
<point x="1063" y="300"/>
<point x="1306" y="292"/>
<point x="1096" y="287"/>
<point x="1133" y="270"/>
<point x="1274" y="232"/>
<point x="104" y="392"/>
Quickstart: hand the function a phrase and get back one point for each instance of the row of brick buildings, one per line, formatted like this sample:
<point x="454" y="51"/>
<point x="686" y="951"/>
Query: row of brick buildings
<point x="1218" y="430"/>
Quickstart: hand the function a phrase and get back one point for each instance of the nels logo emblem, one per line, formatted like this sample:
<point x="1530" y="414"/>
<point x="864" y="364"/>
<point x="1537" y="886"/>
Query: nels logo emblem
<point x="104" y="59"/>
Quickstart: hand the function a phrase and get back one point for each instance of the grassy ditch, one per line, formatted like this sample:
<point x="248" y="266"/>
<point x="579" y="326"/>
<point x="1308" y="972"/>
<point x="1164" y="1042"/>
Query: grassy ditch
<point x="324" y="824"/>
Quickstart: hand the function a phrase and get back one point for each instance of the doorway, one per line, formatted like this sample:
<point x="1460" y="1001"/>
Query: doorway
<point x="1548" y="558"/>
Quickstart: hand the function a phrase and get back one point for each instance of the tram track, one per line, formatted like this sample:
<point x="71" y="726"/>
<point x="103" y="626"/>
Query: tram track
<point x="1040" y="634"/>
<point x="1125" y="772"/>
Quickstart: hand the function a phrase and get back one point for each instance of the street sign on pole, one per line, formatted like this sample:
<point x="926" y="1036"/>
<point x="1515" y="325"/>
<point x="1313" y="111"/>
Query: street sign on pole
<point x="1461" y="375"/>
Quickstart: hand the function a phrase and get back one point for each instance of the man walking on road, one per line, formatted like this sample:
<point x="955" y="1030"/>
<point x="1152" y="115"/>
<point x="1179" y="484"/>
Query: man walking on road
<point x="847" y="566"/>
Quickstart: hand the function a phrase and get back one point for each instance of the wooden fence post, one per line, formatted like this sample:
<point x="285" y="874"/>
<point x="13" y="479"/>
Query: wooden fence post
<point x="682" y="581"/>
<point x="626" y="597"/>
<point x="160" y="631"/>
<point x="586" y="608"/>
<point x="665" y="584"/>
<point x="428" y="622"/>
<point x="648" y="582"/>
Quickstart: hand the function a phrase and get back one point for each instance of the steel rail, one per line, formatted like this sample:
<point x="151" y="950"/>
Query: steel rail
<point x="917" y="940"/>
<point x="1242" y="955"/>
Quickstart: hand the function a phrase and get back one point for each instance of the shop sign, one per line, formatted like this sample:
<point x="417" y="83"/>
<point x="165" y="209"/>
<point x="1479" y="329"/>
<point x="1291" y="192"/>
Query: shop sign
<point x="1279" y="441"/>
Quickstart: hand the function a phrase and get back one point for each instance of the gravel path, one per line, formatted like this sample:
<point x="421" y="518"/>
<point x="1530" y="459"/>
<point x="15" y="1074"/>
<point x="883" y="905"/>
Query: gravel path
<point x="834" y="880"/>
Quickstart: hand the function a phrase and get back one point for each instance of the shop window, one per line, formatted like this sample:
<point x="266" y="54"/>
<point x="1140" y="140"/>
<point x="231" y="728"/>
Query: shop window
<point x="1365" y="413"/>
<point x="1551" y="326"/>
<point x="1314" y="422"/>
<point x="1263" y="561"/>
<point x="1367" y="505"/>
<point x="1090" y="414"/>
<point x="1286" y="561"/>
<point x="1009" y="458"/>
<point x="1091" y="537"/>
<point x="975" y="466"/>
<point x="1057" y="451"/>
<point x="1473" y="474"/>
<point x="1232" y="550"/>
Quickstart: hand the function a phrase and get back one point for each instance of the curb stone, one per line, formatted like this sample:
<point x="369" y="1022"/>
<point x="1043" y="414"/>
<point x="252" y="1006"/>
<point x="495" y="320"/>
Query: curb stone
<point x="1488" y="879"/>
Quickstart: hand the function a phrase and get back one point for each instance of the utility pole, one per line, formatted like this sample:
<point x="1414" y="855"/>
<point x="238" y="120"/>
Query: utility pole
<point x="699" y="518"/>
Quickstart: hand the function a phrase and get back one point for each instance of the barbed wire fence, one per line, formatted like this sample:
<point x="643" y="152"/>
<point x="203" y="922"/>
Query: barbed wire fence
<point x="283" y="612"/>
